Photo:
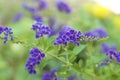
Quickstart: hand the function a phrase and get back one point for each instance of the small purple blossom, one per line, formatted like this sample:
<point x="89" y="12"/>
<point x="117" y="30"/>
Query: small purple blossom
<point x="97" y="33"/>
<point x="8" y="34"/>
<point x="100" y="33"/>
<point x="42" y="5"/>
<point x="35" y="58"/>
<point x="103" y="63"/>
<point x="117" y="57"/>
<point x="34" y="9"/>
<point x="50" y="75"/>
<point x="17" y="17"/>
<point x="41" y="30"/>
<point x="105" y="48"/>
<point x="72" y="77"/>
<point x="31" y="9"/>
<point x="68" y="35"/>
<point x="63" y="7"/>
<point x="1" y="29"/>
<point x="89" y="35"/>
<point x="111" y="52"/>
<point x="37" y="18"/>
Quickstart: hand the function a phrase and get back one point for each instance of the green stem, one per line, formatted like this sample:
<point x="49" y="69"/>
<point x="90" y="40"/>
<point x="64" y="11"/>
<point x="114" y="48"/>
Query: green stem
<point x="60" y="59"/>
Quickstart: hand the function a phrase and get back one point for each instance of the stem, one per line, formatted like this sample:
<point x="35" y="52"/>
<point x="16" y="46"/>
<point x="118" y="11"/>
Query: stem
<point x="60" y="60"/>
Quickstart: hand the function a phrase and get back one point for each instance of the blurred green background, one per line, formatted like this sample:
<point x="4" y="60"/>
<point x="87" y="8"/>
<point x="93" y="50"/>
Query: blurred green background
<point x="86" y="15"/>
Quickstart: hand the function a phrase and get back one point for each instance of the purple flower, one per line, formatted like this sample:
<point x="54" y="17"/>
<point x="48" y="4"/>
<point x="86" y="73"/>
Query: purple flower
<point x="42" y="5"/>
<point x="89" y="34"/>
<point x="68" y="35"/>
<point x="105" y="48"/>
<point x="17" y="17"/>
<point x="97" y="33"/>
<point x="72" y="77"/>
<point x="111" y="52"/>
<point x="35" y="58"/>
<point x="50" y="75"/>
<point x="118" y="57"/>
<point x="63" y="7"/>
<point x="1" y="29"/>
<point x="103" y="63"/>
<point x="37" y="18"/>
<point x="31" y="9"/>
<point x="8" y="34"/>
<point x="41" y="30"/>
<point x="100" y="33"/>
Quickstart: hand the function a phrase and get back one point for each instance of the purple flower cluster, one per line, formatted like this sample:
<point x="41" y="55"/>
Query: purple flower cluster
<point x="100" y="33"/>
<point x="77" y="37"/>
<point x="97" y="33"/>
<point x="37" y="18"/>
<point x="35" y="58"/>
<point x="63" y="7"/>
<point x="72" y="77"/>
<point x="89" y="35"/>
<point x="29" y="8"/>
<point x="117" y="57"/>
<point x="50" y="75"/>
<point x="68" y="35"/>
<point x="41" y="6"/>
<point x="7" y="33"/>
<point x="103" y="63"/>
<point x="111" y="52"/>
<point x="17" y="17"/>
<point x="41" y="30"/>
<point x="1" y="29"/>
<point x="105" y="48"/>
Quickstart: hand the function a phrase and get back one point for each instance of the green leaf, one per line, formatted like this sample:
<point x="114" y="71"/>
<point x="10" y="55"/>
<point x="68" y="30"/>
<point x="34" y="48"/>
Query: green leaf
<point x="76" y="67"/>
<point x="65" y="53"/>
<point x="72" y="58"/>
<point x="48" y="44"/>
<point x="50" y="40"/>
<point x="78" y="49"/>
<point x="80" y="63"/>
<point x="43" y="63"/>
<point x="62" y="58"/>
<point x="49" y="48"/>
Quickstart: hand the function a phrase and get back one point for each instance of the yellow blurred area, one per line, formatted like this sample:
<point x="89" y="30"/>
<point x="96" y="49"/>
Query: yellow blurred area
<point x="98" y="11"/>
<point x="116" y="21"/>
